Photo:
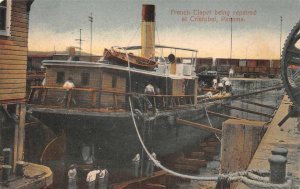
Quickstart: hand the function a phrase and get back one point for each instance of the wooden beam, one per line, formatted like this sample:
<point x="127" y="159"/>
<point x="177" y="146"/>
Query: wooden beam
<point x="246" y="110"/>
<point x="223" y="115"/>
<point x="199" y="126"/>
<point x="259" y="104"/>
<point x="155" y="186"/>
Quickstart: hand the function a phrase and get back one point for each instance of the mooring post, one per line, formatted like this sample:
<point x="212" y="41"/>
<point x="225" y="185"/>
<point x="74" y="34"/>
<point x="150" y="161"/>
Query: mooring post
<point x="280" y="151"/>
<point x="6" y="170"/>
<point x="277" y="169"/>
<point x="7" y="156"/>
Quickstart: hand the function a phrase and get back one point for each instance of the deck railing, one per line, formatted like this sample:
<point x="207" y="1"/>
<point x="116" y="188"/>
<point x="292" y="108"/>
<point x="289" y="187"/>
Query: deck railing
<point x="93" y="99"/>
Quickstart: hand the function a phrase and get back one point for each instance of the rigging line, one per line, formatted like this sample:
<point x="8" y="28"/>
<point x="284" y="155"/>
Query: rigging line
<point x="138" y="28"/>
<point x="156" y="29"/>
<point x="204" y="104"/>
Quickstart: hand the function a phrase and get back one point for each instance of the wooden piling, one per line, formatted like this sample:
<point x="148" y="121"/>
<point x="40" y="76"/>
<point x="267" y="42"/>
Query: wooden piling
<point x="21" y="132"/>
<point x="240" y="139"/>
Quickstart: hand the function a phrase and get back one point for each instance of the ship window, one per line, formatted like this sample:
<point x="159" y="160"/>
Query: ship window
<point x="60" y="77"/>
<point x="85" y="78"/>
<point x="5" y="15"/>
<point x="114" y="81"/>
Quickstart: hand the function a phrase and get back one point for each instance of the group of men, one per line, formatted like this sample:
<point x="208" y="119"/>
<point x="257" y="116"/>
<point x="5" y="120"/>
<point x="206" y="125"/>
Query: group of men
<point x="96" y="174"/>
<point x="149" y="167"/>
<point x="221" y="83"/>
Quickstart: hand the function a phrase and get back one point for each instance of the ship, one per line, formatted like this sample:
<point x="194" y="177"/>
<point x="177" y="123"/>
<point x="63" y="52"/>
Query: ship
<point x="97" y="112"/>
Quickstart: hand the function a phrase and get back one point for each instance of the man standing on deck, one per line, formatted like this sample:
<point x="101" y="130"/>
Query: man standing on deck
<point x="149" y="90"/>
<point x="69" y="85"/>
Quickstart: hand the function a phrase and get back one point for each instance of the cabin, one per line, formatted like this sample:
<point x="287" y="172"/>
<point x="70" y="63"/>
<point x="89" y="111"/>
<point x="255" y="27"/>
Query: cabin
<point x="14" y="19"/>
<point x="103" y="86"/>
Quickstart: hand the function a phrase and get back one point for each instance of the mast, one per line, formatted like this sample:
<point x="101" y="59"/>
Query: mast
<point x="91" y="44"/>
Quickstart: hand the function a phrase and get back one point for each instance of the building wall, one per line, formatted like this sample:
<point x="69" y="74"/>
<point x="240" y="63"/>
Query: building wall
<point x="13" y="54"/>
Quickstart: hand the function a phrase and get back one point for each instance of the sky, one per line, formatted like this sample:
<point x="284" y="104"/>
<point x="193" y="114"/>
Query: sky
<point x="203" y="25"/>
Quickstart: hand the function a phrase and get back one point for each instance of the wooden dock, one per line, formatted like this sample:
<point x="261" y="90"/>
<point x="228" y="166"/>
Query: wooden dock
<point x="35" y="177"/>
<point x="287" y="136"/>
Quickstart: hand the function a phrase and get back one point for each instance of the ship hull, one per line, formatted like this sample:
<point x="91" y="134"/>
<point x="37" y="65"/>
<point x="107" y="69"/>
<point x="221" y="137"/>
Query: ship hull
<point x="114" y="137"/>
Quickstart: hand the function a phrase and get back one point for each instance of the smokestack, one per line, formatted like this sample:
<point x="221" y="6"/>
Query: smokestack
<point x="148" y="31"/>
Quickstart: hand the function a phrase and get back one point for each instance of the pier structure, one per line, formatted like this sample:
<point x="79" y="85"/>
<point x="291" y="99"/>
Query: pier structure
<point x="286" y="136"/>
<point x="13" y="64"/>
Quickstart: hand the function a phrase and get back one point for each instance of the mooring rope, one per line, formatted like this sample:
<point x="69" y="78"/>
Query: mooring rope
<point x="242" y="176"/>
<point x="253" y="177"/>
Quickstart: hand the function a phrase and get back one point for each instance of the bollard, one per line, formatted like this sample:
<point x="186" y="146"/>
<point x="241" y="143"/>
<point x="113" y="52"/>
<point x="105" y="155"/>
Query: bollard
<point x="280" y="151"/>
<point x="19" y="168"/>
<point x="6" y="156"/>
<point x="277" y="169"/>
<point x="6" y="170"/>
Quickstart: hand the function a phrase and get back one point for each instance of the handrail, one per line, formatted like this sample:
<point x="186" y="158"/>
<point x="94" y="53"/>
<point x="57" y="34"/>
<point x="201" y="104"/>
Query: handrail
<point x="105" y="91"/>
<point x="43" y="95"/>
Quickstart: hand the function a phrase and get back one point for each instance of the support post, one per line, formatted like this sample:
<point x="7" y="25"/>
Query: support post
<point x="240" y="139"/>
<point x="195" y="91"/>
<point x="21" y="133"/>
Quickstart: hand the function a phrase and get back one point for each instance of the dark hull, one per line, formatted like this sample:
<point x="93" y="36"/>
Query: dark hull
<point x="115" y="138"/>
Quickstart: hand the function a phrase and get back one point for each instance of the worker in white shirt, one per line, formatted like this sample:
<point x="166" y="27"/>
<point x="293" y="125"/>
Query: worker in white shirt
<point x="228" y="86"/>
<point x="69" y="84"/>
<point x="149" y="90"/>
<point x="215" y="83"/>
<point x="136" y="163"/>
<point x="150" y="166"/>
<point x="220" y="88"/>
<point x="103" y="179"/>
<point x="72" y="177"/>
<point x="231" y="72"/>
<point x="91" y="178"/>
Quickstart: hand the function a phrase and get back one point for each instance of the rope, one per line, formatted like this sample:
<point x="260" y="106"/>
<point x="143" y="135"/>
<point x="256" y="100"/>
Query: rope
<point x="222" y="179"/>
<point x="134" y="35"/>
<point x="157" y="163"/>
<point x="204" y="104"/>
